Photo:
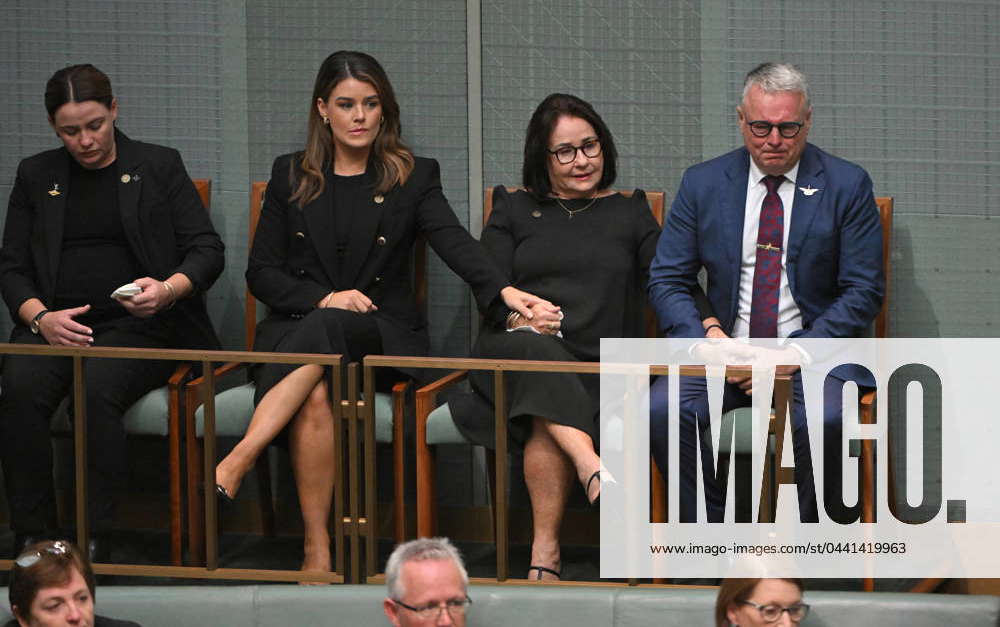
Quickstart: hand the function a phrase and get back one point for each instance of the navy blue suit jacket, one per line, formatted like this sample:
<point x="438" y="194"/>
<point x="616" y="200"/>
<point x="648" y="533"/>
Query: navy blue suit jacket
<point x="834" y="259"/>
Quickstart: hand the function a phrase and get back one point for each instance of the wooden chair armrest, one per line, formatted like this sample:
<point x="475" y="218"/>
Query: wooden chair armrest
<point x="181" y="373"/>
<point x="866" y="408"/>
<point x="428" y="394"/>
<point x="225" y="369"/>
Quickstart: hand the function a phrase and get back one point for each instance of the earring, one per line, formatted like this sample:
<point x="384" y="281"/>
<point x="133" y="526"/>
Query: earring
<point x="326" y="121"/>
<point x="381" y="121"/>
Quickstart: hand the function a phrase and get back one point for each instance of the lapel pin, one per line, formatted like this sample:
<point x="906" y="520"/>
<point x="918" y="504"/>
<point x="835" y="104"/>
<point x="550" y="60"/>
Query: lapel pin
<point x="379" y="198"/>
<point x="126" y="178"/>
<point x="55" y="190"/>
<point x="808" y="191"/>
<point x="135" y="178"/>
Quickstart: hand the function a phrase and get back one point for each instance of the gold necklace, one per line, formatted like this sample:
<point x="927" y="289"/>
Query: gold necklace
<point x="573" y="212"/>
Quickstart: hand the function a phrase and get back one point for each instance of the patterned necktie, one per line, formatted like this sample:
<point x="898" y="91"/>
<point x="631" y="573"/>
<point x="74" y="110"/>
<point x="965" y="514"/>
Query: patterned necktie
<point x="767" y="270"/>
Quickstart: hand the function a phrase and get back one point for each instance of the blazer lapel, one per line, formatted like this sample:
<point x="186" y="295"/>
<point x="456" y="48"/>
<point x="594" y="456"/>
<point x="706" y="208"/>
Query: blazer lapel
<point x="811" y="178"/>
<point x="318" y="216"/>
<point x="733" y="216"/>
<point x="130" y="181"/>
<point x="54" y="213"/>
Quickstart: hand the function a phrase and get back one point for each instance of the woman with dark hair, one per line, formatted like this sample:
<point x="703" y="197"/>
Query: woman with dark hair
<point x="52" y="584"/>
<point x="331" y="259"/>
<point x="100" y="213"/>
<point x="758" y="602"/>
<point x="572" y="240"/>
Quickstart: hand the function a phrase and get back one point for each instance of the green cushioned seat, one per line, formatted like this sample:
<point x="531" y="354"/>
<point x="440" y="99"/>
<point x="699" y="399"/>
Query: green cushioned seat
<point x="234" y="408"/>
<point x="441" y="427"/>
<point x="147" y="416"/>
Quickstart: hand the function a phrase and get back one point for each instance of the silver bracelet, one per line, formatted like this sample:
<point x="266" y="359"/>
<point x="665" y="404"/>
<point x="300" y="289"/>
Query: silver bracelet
<point x="512" y="319"/>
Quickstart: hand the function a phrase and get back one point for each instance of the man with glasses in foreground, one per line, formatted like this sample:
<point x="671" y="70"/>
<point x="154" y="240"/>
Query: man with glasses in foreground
<point x="427" y="584"/>
<point x="791" y="241"/>
<point x="52" y="585"/>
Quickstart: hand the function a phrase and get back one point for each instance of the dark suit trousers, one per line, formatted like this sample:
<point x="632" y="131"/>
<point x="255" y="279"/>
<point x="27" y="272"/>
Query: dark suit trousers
<point x="34" y="386"/>
<point x="693" y="401"/>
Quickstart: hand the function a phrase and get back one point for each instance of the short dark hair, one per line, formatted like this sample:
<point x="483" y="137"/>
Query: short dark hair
<point x="535" y="172"/>
<point x="54" y="567"/>
<point x="77" y="83"/>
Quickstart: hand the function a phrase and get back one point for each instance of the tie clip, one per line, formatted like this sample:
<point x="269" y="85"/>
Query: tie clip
<point x="769" y="247"/>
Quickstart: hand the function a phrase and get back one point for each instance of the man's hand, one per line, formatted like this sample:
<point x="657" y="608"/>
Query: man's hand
<point x="154" y="296"/>
<point x="59" y="329"/>
<point x="351" y="300"/>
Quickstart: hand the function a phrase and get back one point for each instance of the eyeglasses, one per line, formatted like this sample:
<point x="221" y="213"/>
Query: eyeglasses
<point x="30" y="558"/>
<point x="771" y="613"/>
<point x="455" y="608"/>
<point x="788" y="130"/>
<point x="567" y="154"/>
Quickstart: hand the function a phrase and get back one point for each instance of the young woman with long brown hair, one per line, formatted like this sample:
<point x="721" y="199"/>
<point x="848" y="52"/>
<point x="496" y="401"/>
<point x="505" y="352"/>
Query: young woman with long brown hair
<point x="332" y="260"/>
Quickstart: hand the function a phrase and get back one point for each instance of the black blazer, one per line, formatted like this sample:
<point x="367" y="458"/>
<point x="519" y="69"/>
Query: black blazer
<point x="293" y="265"/>
<point x="165" y="223"/>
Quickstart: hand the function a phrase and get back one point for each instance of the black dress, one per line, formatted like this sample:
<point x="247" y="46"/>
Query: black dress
<point x="593" y="264"/>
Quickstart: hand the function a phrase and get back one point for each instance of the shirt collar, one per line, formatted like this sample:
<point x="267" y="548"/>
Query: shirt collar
<point x="756" y="175"/>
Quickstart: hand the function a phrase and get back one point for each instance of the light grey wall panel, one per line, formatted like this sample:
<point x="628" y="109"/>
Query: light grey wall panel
<point x="422" y="47"/>
<point x="635" y="61"/>
<point x="946" y="280"/>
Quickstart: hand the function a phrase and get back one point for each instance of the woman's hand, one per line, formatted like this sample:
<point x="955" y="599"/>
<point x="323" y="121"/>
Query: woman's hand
<point x="155" y="296"/>
<point x="351" y="300"/>
<point x="546" y="319"/>
<point x="525" y="303"/>
<point x="59" y="329"/>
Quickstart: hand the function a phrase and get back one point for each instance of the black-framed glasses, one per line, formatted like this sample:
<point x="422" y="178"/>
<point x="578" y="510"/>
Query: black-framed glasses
<point x="771" y="613"/>
<point x="454" y="607"/>
<point x="30" y="558"/>
<point x="567" y="154"/>
<point x="788" y="130"/>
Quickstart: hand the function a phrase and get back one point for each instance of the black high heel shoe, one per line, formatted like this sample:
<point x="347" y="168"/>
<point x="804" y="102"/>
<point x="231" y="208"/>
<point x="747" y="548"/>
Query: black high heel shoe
<point x="223" y="494"/>
<point x="597" y="501"/>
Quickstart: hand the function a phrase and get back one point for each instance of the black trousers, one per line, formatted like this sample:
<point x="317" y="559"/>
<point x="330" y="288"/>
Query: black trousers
<point x="32" y="388"/>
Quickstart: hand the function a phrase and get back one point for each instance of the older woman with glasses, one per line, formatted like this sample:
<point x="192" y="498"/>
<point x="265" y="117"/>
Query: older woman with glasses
<point x="51" y="585"/>
<point x="755" y="602"/>
<point x="570" y="239"/>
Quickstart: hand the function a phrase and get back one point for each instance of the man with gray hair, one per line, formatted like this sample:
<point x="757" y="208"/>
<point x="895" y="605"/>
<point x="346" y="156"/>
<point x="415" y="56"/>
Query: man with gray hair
<point x="791" y="241"/>
<point x="426" y="583"/>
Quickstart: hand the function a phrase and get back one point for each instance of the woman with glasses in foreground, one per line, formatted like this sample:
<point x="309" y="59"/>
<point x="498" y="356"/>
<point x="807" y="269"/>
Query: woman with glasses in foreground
<point x="51" y="585"/>
<point x="754" y="602"/>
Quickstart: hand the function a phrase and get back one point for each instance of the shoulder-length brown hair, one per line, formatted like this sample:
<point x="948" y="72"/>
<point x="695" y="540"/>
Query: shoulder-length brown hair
<point x="734" y="591"/>
<point x="393" y="161"/>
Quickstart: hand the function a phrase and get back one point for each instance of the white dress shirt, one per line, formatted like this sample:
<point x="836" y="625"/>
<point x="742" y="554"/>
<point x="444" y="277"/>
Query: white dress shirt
<point x="789" y="316"/>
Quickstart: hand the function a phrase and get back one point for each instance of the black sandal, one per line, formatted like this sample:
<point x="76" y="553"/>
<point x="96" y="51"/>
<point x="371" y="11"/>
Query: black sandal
<point x="597" y="501"/>
<point x="543" y="569"/>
